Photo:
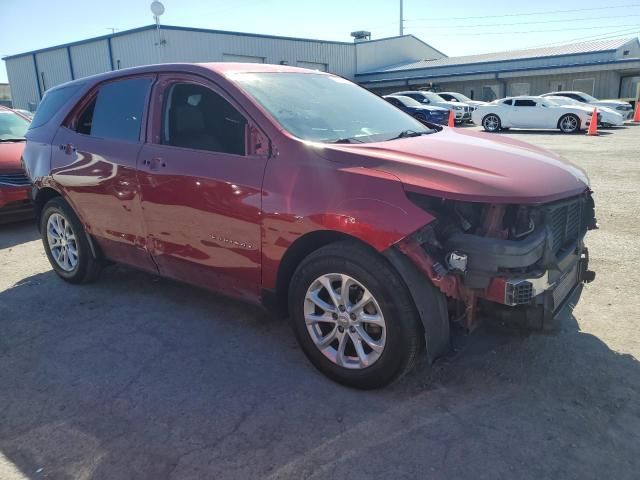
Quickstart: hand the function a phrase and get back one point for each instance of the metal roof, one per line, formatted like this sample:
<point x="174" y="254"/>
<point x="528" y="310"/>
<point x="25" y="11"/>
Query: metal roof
<point x="595" y="46"/>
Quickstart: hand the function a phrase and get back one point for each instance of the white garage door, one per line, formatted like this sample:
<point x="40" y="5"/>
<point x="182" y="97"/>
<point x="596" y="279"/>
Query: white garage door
<point x="228" y="57"/>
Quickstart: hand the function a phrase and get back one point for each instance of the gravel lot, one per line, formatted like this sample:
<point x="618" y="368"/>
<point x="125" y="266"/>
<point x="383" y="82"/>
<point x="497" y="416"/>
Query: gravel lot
<point x="140" y="377"/>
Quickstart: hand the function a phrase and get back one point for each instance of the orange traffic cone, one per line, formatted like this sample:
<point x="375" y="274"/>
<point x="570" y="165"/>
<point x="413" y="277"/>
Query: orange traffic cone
<point x="636" y="117"/>
<point x="452" y="118"/>
<point x="593" y="125"/>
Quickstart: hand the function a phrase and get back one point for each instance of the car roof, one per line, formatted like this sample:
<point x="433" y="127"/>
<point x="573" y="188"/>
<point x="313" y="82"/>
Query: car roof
<point x="220" y="68"/>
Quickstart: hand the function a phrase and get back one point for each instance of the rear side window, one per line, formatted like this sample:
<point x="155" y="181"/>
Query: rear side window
<point x="117" y="110"/>
<point x="51" y="103"/>
<point x="507" y="102"/>
<point x="525" y="103"/>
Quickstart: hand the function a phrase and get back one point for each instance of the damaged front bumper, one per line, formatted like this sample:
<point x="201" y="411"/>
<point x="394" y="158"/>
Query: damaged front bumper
<point x="525" y="281"/>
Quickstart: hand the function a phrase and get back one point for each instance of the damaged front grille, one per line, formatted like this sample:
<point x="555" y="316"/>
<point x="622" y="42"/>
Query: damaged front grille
<point x="15" y="179"/>
<point x="565" y="224"/>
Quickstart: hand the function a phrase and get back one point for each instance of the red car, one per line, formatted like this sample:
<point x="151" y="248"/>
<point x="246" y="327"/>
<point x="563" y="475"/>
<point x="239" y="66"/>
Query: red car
<point x="14" y="184"/>
<point x="298" y="189"/>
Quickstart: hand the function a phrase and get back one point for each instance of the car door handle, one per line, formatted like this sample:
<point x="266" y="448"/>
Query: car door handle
<point x="154" y="163"/>
<point x="67" y="148"/>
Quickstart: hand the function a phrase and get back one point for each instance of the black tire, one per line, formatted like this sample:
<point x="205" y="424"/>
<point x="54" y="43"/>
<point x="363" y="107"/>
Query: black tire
<point x="491" y="123"/>
<point x="565" y="120"/>
<point x="87" y="267"/>
<point x="404" y="333"/>
<point x="420" y="117"/>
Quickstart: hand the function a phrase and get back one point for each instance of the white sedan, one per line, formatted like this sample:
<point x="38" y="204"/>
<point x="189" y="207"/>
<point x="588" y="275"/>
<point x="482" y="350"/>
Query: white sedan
<point x="531" y="112"/>
<point x="609" y="117"/>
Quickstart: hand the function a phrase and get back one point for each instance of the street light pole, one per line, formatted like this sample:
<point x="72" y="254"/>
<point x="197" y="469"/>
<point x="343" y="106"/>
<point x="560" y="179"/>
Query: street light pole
<point x="401" y="18"/>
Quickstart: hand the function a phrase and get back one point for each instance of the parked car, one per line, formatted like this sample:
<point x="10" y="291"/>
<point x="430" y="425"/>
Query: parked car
<point x="460" y="98"/>
<point x="609" y="117"/>
<point x="14" y="184"/>
<point x="624" y="108"/>
<point x="301" y="190"/>
<point x="532" y="112"/>
<point x="424" y="113"/>
<point x="462" y="110"/>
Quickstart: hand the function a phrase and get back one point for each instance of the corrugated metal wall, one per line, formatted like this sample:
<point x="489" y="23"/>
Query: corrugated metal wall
<point x="90" y="58"/>
<point x="53" y="68"/>
<point x="23" y="80"/>
<point x="141" y="48"/>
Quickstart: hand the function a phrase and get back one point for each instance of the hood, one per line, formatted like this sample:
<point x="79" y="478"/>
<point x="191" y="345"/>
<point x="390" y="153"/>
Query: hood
<point x="611" y="103"/>
<point x="467" y="165"/>
<point x="10" y="156"/>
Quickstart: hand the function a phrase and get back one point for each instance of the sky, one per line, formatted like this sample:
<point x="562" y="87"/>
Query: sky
<point x="456" y="28"/>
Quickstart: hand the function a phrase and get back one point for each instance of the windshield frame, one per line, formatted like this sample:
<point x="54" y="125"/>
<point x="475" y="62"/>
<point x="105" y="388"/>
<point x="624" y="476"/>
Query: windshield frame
<point x="261" y="98"/>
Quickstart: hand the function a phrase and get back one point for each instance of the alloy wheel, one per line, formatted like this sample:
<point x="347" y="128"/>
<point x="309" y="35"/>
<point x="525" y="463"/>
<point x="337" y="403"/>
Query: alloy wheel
<point x="569" y="124"/>
<point x="62" y="242"/>
<point x="491" y="123"/>
<point x="345" y="321"/>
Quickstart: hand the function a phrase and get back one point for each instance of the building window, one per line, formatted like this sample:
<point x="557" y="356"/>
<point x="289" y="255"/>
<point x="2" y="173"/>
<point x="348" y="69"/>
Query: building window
<point x="626" y="52"/>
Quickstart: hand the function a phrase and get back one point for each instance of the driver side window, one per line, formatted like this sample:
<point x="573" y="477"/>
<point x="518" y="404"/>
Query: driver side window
<point x="196" y="117"/>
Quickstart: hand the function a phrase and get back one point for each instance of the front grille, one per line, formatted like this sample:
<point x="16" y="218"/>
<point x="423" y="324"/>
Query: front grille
<point x="565" y="225"/>
<point x="564" y="286"/>
<point x="16" y="179"/>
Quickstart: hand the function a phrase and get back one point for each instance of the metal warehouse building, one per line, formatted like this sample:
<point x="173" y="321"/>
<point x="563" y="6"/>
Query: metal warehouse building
<point x="32" y="73"/>
<point x="604" y="68"/>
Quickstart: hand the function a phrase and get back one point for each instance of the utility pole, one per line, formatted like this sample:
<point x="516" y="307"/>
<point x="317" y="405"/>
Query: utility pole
<point x="401" y="19"/>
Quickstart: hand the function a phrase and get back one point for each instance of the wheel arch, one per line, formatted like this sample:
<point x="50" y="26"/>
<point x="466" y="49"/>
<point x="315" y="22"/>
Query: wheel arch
<point x="300" y="249"/>
<point x="41" y="198"/>
<point x="566" y="114"/>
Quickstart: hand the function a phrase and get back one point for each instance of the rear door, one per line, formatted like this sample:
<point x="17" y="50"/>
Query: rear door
<point x="94" y="163"/>
<point x="201" y="177"/>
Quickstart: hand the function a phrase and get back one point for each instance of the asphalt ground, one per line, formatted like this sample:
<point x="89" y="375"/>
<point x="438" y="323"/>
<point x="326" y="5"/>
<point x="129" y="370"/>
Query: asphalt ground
<point x="140" y="377"/>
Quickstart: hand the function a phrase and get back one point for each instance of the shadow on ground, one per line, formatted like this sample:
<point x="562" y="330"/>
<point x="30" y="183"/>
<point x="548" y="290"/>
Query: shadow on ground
<point x="140" y="377"/>
<point x="18" y="232"/>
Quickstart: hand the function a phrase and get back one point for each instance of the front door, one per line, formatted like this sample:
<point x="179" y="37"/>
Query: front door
<point x="94" y="163"/>
<point x="201" y="182"/>
<point x="526" y="113"/>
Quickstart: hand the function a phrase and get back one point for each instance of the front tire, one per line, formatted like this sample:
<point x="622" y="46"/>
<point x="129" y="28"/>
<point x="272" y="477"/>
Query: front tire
<point x="66" y="243"/>
<point x="354" y="317"/>
<point x="569" y="123"/>
<point x="491" y="123"/>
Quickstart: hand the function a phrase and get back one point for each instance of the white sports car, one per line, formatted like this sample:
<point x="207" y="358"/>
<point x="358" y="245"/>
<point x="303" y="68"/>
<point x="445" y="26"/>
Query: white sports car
<point x="609" y="117"/>
<point x="623" y="108"/>
<point x="531" y="112"/>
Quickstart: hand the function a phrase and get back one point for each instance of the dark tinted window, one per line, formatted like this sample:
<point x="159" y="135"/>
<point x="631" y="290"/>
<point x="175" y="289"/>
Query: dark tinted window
<point x="394" y="101"/>
<point x="448" y="97"/>
<point x="51" y="103"/>
<point x="576" y="97"/>
<point x="85" y="119"/>
<point x="118" y="110"/>
<point x="197" y="117"/>
<point x="507" y="102"/>
<point x="525" y="103"/>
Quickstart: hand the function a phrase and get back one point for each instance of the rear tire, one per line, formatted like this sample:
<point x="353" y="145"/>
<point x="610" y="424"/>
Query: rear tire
<point x="491" y="123"/>
<point x="386" y="326"/>
<point x="66" y="243"/>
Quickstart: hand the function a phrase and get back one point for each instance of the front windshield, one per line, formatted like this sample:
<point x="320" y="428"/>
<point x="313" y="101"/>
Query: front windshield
<point x="326" y="108"/>
<point x="463" y="98"/>
<point x="12" y="126"/>
<point x="588" y="97"/>
<point x="408" y="101"/>
<point x="434" y="97"/>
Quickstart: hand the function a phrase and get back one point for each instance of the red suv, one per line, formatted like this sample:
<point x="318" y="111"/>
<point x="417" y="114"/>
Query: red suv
<point x="14" y="184"/>
<point x="300" y="190"/>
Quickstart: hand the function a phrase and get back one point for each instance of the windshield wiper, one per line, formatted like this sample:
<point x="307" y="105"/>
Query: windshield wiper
<point x="408" y="133"/>
<point x="12" y="139"/>
<point x="346" y="140"/>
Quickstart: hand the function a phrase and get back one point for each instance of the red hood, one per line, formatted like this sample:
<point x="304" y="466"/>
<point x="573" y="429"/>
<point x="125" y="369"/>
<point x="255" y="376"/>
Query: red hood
<point x="466" y="165"/>
<point x="10" y="155"/>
